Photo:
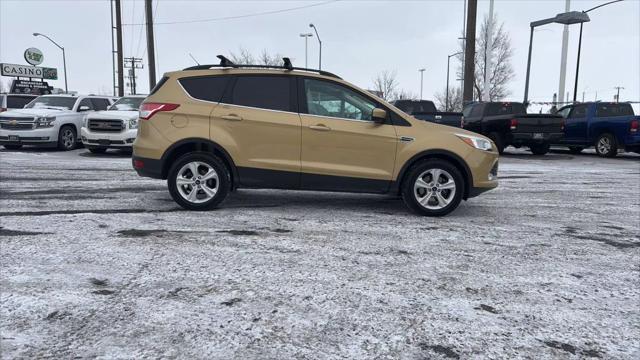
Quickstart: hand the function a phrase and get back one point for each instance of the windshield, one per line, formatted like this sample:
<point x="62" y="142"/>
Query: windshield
<point x="60" y="102"/>
<point x="127" y="103"/>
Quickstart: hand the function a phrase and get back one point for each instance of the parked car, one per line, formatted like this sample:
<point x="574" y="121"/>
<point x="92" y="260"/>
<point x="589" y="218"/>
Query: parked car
<point x="507" y="123"/>
<point x="114" y="128"/>
<point x="14" y="101"/>
<point x="210" y="129"/>
<point x="49" y="121"/>
<point x="426" y="110"/>
<point x="607" y="126"/>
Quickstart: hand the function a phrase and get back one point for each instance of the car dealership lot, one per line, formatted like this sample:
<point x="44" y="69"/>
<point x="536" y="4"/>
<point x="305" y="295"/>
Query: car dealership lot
<point x="96" y="261"/>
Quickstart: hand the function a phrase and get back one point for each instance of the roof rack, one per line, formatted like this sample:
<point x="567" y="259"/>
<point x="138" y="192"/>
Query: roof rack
<point x="287" y="65"/>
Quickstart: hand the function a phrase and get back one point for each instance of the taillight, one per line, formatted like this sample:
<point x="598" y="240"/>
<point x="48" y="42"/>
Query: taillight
<point x="462" y="122"/>
<point x="3" y="109"/>
<point x="147" y="110"/>
<point x="634" y="126"/>
<point x="514" y="124"/>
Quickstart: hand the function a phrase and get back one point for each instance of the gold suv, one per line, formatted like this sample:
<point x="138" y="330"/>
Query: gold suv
<point x="210" y="129"/>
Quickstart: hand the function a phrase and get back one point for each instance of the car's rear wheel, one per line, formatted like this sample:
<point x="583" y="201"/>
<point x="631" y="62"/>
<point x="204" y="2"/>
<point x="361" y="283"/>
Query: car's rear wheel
<point x="12" y="147"/>
<point x="67" y="139"/>
<point x="97" y="150"/>
<point x="433" y="188"/>
<point x="497" y="139"/>
<point x="199" y="181"/>
<point x="607" y="145"/>
<point x="575" y="149"/>
<point x="539" y="149"/>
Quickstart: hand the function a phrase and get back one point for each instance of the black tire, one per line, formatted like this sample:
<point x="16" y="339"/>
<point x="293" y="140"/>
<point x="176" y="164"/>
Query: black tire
<point x="97" y="150"/>
<point x="410" y="193"/>
<point x="12" y="147"/>
<point x="607" y="145"/>
<point x="498" y="140"/>
<point x="539" y="149"/>
<point x="223" y="181"/>
<point x="575" y="149"/>
<point x="67" y="138"/>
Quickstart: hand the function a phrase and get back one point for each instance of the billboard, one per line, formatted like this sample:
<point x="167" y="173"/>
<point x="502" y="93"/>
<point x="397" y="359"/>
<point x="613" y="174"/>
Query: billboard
<point x="37" y="72"/>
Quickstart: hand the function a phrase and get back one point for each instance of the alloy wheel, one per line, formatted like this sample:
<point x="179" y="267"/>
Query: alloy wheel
<point x="434" y="189"/>
<point x="197" y="182"/>
<point x="604" y="145"/>
<point x="68" y="138"/>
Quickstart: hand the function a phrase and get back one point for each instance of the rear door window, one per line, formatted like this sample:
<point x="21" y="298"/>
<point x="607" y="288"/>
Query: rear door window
<point x="476" y="111"/>
<point x="208" y="88"/>
<point x="264" y="92"/>
<point x="611" y="110"/>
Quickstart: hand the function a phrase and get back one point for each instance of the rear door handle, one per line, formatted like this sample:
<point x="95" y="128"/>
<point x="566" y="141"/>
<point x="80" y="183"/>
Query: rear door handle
<point x="320" y="127"/>
<point x="232" y="117"/>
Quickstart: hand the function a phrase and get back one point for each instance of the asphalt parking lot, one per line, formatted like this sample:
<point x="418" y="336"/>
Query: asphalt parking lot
<point x="97" y="262"/>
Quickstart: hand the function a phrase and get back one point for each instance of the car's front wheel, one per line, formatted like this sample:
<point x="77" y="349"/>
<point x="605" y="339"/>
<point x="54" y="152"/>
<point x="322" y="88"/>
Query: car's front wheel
<point x="199" y="181"/>
<point x="433" y="188"/>
<point x="606" y="145"/>
<point x="67" y="139"/>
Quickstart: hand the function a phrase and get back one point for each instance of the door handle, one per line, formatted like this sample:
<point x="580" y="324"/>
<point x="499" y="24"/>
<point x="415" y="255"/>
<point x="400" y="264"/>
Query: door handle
<point x="232" y="117"/>
<point x="320" y="127"/>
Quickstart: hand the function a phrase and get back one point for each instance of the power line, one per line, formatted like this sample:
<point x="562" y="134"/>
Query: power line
<point x="236" y="16"/>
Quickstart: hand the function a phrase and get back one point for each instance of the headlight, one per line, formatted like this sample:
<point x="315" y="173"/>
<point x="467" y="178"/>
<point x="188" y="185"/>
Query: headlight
<point x="477" y="142"/>
<point x="44" y="122"/>
<point x="133" y="123"/>
<point x="85" y="122"/>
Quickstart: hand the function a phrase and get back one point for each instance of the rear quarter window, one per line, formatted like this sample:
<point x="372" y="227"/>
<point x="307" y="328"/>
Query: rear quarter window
<point x="208" y="88"/>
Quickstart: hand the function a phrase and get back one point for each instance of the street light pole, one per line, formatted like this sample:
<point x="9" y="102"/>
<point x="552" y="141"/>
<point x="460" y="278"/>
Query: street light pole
<point x="575" y="86"/>
<point x="421" y="80"/>
<point x="64" y="59"/>
<point x="319" y="42"/>
<point x="306" y="37"/>
<point x="567" y="18"/>
<point x="446" y="102"/>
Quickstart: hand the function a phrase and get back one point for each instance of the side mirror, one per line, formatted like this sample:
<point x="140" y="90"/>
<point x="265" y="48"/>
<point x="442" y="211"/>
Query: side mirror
<point x="379" y="116"/>
<point x="83" y="108"/>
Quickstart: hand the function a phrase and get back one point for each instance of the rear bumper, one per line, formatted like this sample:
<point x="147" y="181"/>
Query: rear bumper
<point x="146" y="167"/>
<point x="536" y="138"/>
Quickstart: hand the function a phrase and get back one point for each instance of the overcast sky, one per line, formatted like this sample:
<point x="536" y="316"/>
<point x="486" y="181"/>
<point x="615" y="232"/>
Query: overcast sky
<point x="360" y="39"/>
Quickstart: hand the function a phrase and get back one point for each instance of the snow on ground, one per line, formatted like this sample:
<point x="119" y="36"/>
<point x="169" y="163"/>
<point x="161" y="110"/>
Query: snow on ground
<point x="97" y="262"/>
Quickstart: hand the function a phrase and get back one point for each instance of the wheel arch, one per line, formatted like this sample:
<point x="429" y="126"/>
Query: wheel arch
<point x="188" y="145"/>
<point x="442" y="154"/>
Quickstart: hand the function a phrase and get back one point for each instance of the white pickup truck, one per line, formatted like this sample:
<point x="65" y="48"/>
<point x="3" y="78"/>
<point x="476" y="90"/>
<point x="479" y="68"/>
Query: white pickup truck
<point x="49" y="121"/>
<point x="115" y="128"/>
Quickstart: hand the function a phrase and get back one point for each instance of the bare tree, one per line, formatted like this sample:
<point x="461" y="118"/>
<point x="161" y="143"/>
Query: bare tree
<point x="402" y="94"/>
<point x="245" y="57"/>
<point x="455" y="99"/>
<point x="385" y="83"/>
<point x="501" y="71"/>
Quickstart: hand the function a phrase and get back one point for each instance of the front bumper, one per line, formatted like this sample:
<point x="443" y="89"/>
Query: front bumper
<point x="118" y="140"/>
<point x="41" y="137"/>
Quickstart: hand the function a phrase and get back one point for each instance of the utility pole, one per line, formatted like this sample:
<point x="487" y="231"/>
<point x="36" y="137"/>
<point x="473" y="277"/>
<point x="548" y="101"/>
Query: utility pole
<point x="119" y="49"/>
<point x="563" y="55"/>
<point x="306" y="37"/>
<point x="421" y="80"/>
<point x="488" y="45"/>
<point x="469" y="51"/>
<point x="151" y="52"/>
<point x="618" y="94"/>
<point x="132" y="64"/>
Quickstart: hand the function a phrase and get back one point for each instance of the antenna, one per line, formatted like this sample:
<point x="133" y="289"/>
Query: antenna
<point x="225" y="62"/>
<point x="194" y="59"/>
<point x="287" y="63"/>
